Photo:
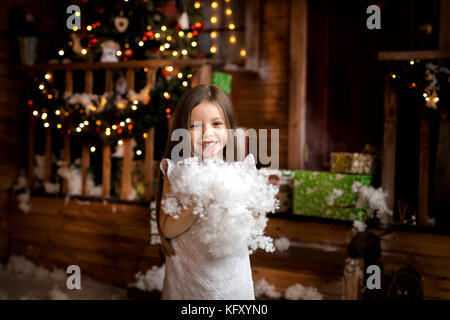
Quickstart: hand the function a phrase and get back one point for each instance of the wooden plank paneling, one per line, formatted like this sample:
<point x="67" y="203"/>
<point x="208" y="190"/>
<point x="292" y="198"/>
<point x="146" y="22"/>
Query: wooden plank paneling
<point x="297" y="84"/>
<point x="389" y="141"/>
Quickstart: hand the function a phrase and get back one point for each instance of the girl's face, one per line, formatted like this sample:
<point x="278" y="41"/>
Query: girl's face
<point x="209" y="137"/>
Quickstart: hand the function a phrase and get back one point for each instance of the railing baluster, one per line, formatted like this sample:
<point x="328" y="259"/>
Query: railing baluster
<point x="149" y="144"/>
<point x="48" y="154"/>
<point x="68" y="90"/>
<point x="85" y="156"/>
<point x="127" y="154"/>
<point x="31" y="155"/>
<point x="106" y="171"/>
<point x="106" y="162"/>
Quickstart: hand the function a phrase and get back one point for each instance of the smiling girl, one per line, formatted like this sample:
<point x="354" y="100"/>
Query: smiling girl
<point x="191" y="271"/>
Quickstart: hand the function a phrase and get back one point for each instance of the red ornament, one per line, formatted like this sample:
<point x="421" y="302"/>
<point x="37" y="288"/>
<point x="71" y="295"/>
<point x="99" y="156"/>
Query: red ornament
<point x="165" y="73"/>
<point x="171" y="9"/>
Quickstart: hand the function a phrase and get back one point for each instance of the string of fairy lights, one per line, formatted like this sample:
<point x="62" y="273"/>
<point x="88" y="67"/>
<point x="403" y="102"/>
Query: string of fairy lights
<point x="108" y="118"/>
<point x="229" y="22"/>
<point x="173" y="40"/>
<point x="432" y="80"/>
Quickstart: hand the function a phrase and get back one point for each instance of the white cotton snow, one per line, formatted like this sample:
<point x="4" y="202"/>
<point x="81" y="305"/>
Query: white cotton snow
<point x="231" y="199"/>
<point x="263" y="288"/>
<point x="23" y="199"/>
<point x="299" y="292"/>
<point x="57" y="294"/>
<point x="282" y="244"/>
<point x="333" y="196"/>
<point x="51" y="187"/>
<point x="375" y="199"/>
<point x="358" y="226"/>
<point x="153" y="279"/>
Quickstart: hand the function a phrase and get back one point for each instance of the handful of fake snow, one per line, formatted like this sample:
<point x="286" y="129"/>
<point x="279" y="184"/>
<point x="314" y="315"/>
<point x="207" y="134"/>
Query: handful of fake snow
<point x="231" y="199"/>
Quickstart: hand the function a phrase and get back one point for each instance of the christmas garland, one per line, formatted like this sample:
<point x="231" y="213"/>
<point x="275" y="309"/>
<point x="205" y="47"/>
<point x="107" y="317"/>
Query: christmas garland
<point x="432" y="81"/>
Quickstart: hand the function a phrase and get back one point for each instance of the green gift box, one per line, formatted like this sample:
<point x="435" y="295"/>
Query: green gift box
<point x="222" y="80"/>
<point x="312" y="190"/>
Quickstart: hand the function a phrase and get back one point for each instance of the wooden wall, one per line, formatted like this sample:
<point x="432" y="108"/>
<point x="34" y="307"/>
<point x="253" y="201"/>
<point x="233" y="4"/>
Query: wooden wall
<point x="261" y="99"/>
<point x="13" y="107"/>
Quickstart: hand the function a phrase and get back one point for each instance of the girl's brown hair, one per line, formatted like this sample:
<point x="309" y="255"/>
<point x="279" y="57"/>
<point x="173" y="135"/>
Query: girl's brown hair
<point x="181" y="118"/>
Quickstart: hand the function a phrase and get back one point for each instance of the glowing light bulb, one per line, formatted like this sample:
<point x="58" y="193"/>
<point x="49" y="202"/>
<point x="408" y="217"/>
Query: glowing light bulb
<point x="197" y="5"/>
<point x="184" y="52"/>
<point x="213" y="34"/>
<point x="92" y="149"/>
<point x="213" y="19"/>
<point x="83" y="51"/>
<point x="213" y="49"/>
<point x="61" y="52"/>
<point x="194" y="44"/>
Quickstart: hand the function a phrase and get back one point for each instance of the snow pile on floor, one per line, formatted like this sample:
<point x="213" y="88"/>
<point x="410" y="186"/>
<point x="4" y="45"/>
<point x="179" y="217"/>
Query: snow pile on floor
<point x="294" y="292"/>
<point x="299" y="292"/>
<point x="153" y="279"/>
<point x="263" y="288"/>
<point x="231" y="198"/>
<point x="22" y="279"/>
<point x="282" y="244"/>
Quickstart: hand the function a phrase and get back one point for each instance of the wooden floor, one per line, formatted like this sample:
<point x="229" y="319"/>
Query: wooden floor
<point x="110" y="242"/>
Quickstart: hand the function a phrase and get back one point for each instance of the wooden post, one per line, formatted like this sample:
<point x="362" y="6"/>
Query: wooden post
<point x="68" y="89"/>
<point x="48" y="154"/>
<point x="31" y="147"/>
<point x="85" y="159"/>
<point x="126" y="169"/>
<point x="424" y="166"/>
<point x="106" y="149"/>
<point x="106" y="171"/>
<point x="297" y="84"/>
<point x="352" y="279"/>
<point x="202" y="76"/>
<point x="389" y="141"/>
<point x="252" y="27"/>
<point x="66" y="160"/>
<point x="85" y="156"/>
<point x="149" y="163"/>
<point x="149" y="144"/>
<point x="127" y="152"/>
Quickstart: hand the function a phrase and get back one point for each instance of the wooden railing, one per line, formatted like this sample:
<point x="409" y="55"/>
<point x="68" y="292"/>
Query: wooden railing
<point x="201" y="75"/>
